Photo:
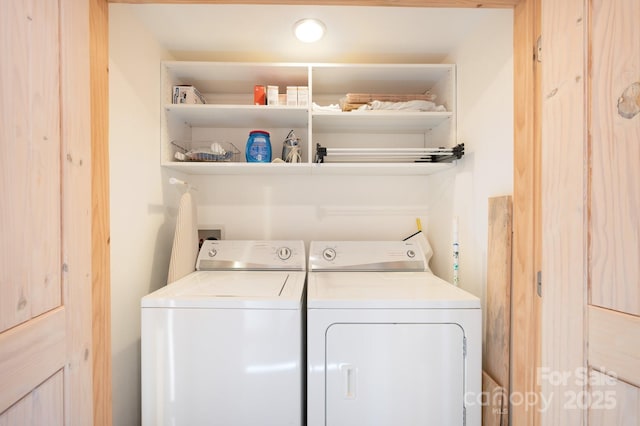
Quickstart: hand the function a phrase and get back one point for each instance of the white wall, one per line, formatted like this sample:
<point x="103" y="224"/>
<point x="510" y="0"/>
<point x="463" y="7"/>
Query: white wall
<point x="142" y="217"/>
<point x="485" y="125"/>
<point x="292" y="207"/>
<point x="312" y="207"/>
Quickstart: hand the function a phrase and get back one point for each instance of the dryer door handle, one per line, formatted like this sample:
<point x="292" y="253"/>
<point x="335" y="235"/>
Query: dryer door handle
<point x="349" y="373"/>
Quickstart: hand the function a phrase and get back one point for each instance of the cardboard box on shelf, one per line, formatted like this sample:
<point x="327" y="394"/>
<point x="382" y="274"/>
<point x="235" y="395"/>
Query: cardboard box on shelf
<point x="272" y="95"/>
<point x="259" y="95"/>
<point x="292" y="96"/>
<point x="303" y="95"/>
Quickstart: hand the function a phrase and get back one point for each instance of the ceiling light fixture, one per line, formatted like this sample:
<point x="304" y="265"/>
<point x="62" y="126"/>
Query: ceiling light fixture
<point x="309" y="30"/>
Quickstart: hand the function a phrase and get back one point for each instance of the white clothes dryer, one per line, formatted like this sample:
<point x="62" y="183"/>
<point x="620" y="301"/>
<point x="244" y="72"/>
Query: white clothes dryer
<point x="224" y="345"/>
<point x="387" y="342"/>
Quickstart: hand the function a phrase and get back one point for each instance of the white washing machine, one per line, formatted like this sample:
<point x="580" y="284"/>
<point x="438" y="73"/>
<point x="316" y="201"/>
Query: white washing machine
<point x="224" y="345"/>
<point x="388" y="343"/>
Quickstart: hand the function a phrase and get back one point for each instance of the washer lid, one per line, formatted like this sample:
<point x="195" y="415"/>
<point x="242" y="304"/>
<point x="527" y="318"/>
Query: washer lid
<point x="385" y="290"/>
<point x="231" y="290"/>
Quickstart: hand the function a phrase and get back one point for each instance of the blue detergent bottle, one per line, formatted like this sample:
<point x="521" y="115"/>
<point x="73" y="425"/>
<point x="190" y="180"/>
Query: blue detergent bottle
<point x="258" y="148"/>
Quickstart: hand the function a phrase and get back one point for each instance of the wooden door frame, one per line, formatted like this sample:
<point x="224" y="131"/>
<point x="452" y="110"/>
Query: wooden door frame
<point x="526" y="205"/>
<point x="100" y="222"/>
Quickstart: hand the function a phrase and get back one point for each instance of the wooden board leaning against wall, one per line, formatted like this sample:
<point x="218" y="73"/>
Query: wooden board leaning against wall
<point x="497" y="334"/>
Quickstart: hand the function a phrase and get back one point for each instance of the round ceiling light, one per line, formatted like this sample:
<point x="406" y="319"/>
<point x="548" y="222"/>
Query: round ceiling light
<point x="309" y="30"/>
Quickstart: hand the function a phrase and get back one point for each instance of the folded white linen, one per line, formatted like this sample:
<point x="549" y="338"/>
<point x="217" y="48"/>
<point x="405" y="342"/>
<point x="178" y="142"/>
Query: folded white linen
<point x="416" y="105"/>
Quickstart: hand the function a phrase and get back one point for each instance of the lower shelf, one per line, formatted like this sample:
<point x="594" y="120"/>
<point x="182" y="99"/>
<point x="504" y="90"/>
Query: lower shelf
<point x="391" y="169"/>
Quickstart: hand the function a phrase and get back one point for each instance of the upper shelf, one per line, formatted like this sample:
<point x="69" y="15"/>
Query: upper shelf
<point x="309" y="168"/>
<point x="286" y="116"/>
<point x="236" y="77"/>
<point x="239" y="115"/>
<point x="378" y="121"/>
<point x="377" y="78"/>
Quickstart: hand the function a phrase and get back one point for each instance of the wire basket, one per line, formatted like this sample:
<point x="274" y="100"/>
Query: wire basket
<point x="215" y="152"/>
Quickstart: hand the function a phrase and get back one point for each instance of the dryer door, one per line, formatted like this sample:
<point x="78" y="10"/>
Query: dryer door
<point x="395" y="374"/>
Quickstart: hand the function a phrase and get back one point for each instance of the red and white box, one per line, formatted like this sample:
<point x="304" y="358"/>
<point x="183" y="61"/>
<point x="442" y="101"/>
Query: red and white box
<point x="259" y="95"/>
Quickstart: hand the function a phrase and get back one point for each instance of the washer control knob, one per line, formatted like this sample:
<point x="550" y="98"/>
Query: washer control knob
<point x="411" y="253"/>
<point x="212" y="253"/>
<point x="284" y="253"/>
<point x="329" y="254"/>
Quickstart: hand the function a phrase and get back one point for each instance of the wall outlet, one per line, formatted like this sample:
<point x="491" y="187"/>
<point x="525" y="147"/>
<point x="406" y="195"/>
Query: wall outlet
<point x="210" y="233"/>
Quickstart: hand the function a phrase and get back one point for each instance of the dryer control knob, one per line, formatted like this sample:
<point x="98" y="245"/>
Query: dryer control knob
<point x="329" y="254"/>
<point x="212" y="252"/>
<point x="411" y="253"/>
<point x="284" y="253"/>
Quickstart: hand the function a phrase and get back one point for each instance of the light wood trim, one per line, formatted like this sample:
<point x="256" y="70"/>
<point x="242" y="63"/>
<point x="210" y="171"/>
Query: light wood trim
<point x="614" y="343"/>
<point x="100" y="229"/>
<point x="525" y="303"/>
<point x="564" y="217"/>
<point x="76" y="208"/>
<point x="21" y="361"/>
<point x="501" y="4"/>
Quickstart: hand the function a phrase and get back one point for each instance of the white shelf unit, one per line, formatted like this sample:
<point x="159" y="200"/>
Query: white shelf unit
<point x="230" y="115"/>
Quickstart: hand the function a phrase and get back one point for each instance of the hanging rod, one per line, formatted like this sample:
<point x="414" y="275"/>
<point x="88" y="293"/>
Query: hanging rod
<point x="415" y="155"/>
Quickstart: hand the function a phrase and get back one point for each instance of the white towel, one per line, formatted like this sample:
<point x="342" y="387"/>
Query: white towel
<point x="185" y="240"/>
<point x="403" y="106"/>
<point x="329" y="108"/>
